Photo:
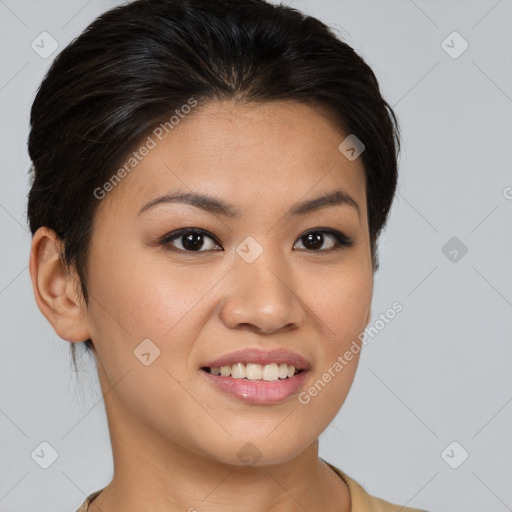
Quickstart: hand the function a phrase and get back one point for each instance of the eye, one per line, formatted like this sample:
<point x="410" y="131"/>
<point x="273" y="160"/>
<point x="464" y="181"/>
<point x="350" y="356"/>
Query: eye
<point x="314" y="239"/>
<point x="190" y="240"/>
<point x="198" y="240"/>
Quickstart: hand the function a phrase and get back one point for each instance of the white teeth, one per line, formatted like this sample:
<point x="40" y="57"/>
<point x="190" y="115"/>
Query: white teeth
<point x="271" y="372"/>
<point x="238" y="371"/>
<point x="253" y="371"/>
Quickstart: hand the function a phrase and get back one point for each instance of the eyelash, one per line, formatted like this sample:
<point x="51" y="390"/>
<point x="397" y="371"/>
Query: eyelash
<point x="341" y="240"/>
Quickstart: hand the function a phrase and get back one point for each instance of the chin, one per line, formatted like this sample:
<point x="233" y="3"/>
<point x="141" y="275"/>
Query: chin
<point x="256" y="451"/>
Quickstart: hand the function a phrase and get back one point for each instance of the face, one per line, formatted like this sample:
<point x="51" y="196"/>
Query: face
<point x="177" y="287"/>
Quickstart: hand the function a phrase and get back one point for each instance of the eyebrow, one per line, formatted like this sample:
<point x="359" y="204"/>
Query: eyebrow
<point x="218" y="207"/>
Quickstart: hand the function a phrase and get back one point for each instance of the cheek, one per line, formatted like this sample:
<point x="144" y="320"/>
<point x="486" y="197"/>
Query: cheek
<point x="137" y="300"/>
<point x="341" y="301"/>
<point x="143" y="296"/>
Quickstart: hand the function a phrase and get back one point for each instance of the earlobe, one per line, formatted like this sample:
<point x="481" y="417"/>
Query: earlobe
<point x="56" y="287"/>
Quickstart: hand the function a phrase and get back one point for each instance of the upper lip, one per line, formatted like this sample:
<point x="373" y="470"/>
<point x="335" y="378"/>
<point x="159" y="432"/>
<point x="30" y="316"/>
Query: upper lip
<point x="262" y="357"/>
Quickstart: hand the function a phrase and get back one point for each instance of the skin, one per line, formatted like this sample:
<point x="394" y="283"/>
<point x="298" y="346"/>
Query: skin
<point x="174" y="436"/>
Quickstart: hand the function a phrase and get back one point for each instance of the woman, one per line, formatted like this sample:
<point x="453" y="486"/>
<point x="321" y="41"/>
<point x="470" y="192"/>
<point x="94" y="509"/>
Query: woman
<point x="210" y="181"/>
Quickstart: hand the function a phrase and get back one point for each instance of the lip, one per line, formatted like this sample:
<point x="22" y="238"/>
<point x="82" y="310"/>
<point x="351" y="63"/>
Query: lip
<point x="262" y="357"/>
<point x="258" y="392"/>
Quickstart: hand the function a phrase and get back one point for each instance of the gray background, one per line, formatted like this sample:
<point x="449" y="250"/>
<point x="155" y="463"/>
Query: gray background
<point x="438" y="373"/>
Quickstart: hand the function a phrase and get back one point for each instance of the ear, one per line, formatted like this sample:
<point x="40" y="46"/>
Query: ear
<point x="56" y="288"/>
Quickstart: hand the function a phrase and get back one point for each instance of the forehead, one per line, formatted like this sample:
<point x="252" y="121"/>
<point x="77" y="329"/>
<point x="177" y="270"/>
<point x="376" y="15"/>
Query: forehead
<point x="255" y="155"/>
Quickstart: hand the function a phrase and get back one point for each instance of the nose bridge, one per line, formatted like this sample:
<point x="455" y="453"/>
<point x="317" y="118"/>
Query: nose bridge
<point x="261" y="291"/>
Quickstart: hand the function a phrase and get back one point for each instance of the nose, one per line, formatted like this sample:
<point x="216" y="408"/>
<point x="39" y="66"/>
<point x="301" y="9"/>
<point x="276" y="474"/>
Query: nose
<point x="261" y="297"/>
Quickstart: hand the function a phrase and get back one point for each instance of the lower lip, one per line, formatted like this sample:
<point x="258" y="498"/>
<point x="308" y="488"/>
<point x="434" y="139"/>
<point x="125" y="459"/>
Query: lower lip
<point x="258" y="391"/>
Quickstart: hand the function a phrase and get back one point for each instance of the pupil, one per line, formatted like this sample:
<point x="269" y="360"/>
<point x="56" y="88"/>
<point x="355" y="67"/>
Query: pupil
<point x="192" y="241"/>
<point x="315" y="240"/>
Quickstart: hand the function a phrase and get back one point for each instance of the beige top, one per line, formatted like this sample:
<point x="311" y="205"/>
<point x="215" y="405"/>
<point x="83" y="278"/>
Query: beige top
<point x="361" y="500"/>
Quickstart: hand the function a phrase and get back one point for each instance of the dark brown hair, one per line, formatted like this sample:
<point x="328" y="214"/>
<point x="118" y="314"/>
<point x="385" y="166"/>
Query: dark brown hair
<point x="134" y="65"/>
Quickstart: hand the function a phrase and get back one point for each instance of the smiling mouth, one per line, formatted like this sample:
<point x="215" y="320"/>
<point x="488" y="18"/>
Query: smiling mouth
<point x="252" y="371"/>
